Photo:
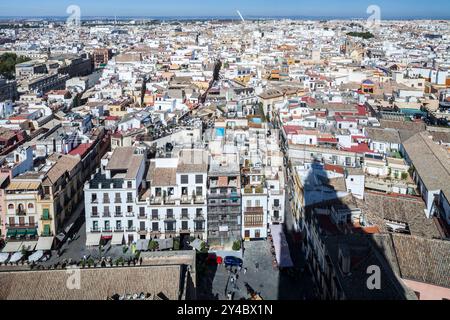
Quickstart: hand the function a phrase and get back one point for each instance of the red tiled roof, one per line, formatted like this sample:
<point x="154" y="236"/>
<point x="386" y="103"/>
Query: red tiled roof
<point x="328" y="140"/>
<point x="334" y="168"/>
<point x="361" y="110"/>
<point x="291" y="129"/>
<point x="360" y="148"/>
<point x="81" y="150"/>
<point x="112" y="118"/>
<point x="309" y="100"/>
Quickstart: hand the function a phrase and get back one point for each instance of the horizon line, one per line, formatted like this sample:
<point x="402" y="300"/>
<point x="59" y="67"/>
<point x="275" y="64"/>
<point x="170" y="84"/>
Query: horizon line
<point x="291" y="17"/>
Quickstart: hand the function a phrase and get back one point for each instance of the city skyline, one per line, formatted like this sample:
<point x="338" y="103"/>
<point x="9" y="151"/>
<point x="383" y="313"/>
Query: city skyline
<point x="251" y="9"/>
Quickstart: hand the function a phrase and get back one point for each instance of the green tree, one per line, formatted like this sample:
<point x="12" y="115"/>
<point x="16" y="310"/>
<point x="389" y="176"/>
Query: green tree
<point x="364" y="35"/>
<point x="176" y="244"/>
<point x="153" y="245"/>
<point x="8" y="63"/>
<point x="236" y="245"/>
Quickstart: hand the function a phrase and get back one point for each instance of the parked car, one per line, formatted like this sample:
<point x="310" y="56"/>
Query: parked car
<point x="233" y="261"/>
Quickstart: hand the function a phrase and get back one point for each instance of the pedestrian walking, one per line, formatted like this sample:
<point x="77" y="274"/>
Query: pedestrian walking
<point x="257" y="266"/>
<point x="140" y="261"/>
<point x="245" y="270"/>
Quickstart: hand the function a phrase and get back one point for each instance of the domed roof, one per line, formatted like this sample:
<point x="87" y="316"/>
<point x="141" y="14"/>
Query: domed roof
<point x="368" y="82"/>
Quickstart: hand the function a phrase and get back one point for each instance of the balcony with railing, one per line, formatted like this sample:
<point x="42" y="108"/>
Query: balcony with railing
<point x="276" y="219"/>
<point x="199" y="217"/>
<point x="118" y="229"/>
<point x="46" y="217"/>
<point x="142" y="216"/>
<point x="47" y="234"/>
<point x="155" y="217"/>
<point x="222" y="195"/>
<point x="118" y="214"/>
<point x="276" y="208"/>
<point x="224" y="203"/>
<point x="258" y="189"/>
<point x="96" y="230"/>
<point x="170" y="218"/>
<point x="186" y="199"/>
<point x="131" y="229"/>
<point x="254" y="217"/>
<point x="199" y="199"/>
<point x="21" y="212"/>
<point x="155" y="233"/>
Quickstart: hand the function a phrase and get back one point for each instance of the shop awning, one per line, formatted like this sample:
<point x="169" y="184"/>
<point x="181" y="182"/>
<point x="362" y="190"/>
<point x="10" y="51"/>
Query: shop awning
<point x="282" y="253"/>
<point x="164" y="244"/>
<point x="31" y="232"/>
<point x="117" y="238"/>
<point x="4" y="256"/>
<point x="93" y="239"/>
<point x="11" y="233"/>
<point x="16" y="257"/>
<point x="44" y="243"/>
<point x="21" y="232"/>
<point x="12" y="246"/>
<point x="142" y="244"/>
<point x="29" y="245"/>
<point x="36" y="256"/>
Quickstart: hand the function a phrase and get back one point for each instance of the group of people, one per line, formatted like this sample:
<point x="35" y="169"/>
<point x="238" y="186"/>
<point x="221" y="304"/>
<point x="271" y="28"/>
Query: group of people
<point x="233" y="277"/>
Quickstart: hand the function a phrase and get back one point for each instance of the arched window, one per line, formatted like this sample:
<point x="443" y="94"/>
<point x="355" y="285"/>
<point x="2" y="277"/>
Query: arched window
<point x="30" y="206"/>
<point x="10" y="206"/>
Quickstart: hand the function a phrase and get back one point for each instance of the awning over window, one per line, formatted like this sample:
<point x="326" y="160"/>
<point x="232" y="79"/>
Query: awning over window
<point x="282" y="253"/>
<point x="117" y="238"/>
<point x="44" y="243"/>
<point x="12" y="246"/>
<point x="93" y="239"/>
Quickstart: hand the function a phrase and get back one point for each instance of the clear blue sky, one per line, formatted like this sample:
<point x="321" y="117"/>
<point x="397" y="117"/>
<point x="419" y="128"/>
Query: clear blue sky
<point x="342" y="8"/>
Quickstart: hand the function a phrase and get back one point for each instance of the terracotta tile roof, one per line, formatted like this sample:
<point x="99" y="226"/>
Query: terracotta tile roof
<point x="96" y="284"/>
<point x="380" y="208"/>
<point x="418" y="259"/>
